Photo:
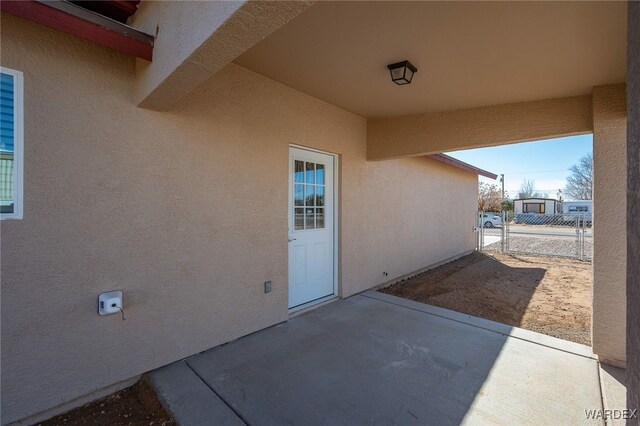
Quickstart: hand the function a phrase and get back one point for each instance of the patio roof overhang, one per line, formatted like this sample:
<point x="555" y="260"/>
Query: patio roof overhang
<point x="469" y="54"/>
<point x="498" y="72"/>
<point x="490" y="73"/>
<point x="211" y="34"/>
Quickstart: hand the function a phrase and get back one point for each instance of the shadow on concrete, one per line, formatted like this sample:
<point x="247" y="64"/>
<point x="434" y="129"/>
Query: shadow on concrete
<point x="615" y="390"/>
<point x="378" y="359"/>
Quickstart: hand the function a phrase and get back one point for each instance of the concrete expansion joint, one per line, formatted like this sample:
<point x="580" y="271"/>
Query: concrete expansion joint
<point x="236" y="412"/>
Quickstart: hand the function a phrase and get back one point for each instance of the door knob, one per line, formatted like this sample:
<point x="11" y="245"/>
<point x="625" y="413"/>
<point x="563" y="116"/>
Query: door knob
<point x="291" y="239"/>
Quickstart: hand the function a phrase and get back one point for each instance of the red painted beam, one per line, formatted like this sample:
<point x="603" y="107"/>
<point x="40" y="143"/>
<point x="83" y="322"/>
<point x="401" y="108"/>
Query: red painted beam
<point x="79" y="27"/>
<point x="129" y="6"/>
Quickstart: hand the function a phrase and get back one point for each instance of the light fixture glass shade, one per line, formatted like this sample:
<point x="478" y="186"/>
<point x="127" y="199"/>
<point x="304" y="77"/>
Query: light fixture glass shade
<point x="397" y="74"/>
<point x="402" y="72"/>
<point x="408" y="74"/>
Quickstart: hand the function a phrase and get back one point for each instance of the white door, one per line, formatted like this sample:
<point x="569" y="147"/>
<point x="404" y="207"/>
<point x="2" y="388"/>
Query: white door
<point x="311" y="226"/>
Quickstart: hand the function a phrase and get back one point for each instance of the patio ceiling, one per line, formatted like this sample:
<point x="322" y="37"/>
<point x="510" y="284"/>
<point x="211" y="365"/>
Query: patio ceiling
<point x="467" y="54"/>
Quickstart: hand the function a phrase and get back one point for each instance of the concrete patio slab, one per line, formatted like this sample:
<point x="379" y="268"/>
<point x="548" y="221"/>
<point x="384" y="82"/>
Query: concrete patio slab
<point x="189" y="399"/>
<point x="614" y="393"/>
<point x="366" y="360"/>
<point x="507" y="330"/>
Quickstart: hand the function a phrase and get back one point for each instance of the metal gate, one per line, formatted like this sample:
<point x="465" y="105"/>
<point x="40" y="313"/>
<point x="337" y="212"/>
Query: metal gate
<point x="561" y="234"/>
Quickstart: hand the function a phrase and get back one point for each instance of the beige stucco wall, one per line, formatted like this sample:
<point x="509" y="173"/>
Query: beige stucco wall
<point x="185" y="211"/>
<point x="196" y="39"/>
<point x="609" y="228"/>
<point x="492" y="125"/>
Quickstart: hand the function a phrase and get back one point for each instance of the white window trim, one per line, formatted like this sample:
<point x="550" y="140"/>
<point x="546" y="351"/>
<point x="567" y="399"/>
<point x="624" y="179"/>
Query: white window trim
<point x="18" y="143"/>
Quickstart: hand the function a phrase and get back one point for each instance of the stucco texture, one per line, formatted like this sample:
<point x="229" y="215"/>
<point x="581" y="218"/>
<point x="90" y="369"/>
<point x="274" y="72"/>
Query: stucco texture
<point x="185" y="211"/>
<point x="610" y="226"/>
<point x="196" y="39"/>
<point x="493" y="125"/>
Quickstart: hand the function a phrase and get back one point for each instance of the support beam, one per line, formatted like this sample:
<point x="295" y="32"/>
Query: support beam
<point x="195" y="40"/>
<point x="436" y="132"/>
<point x="609" y="224"/>
<point x="80" y="22"/>
<point x="633" y="210"/>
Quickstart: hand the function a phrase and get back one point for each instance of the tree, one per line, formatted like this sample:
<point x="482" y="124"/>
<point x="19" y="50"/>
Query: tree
<point x="580" y="182"/>
<point x="489" y="198"/>
<point x="527" y="189"/>
<point x="507" y="205"/>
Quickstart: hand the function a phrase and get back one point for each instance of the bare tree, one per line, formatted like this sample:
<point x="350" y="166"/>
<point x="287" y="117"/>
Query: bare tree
<point x="527" y="189"/>
<point x="489" y="198"/>
<point x="580" y="182"/>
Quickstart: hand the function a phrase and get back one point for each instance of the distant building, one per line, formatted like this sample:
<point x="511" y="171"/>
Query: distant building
<point x="573" y="209"/>
<point x="537" y="205"/>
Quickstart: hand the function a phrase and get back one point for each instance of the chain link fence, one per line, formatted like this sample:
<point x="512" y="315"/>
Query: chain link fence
<point x="561" y="234"/>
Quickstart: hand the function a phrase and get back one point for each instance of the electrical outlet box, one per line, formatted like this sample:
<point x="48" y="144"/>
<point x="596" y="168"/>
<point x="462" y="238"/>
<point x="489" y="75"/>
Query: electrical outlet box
<point x="267" y="286"/>
<point x="110" y="303"/>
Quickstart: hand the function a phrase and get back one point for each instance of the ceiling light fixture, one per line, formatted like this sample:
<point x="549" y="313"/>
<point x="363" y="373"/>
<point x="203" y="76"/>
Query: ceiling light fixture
<point x="402" y="72"/>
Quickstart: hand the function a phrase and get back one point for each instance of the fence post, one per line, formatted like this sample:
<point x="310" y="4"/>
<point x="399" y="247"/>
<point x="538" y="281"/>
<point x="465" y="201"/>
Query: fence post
<point x="578" y="235"/>
<point x="476" y="229"/>
<point x="506" y="230"/>
<point x="481" y="219"/>
<point x="584" y="230"/>
<point x="502" y="231"/>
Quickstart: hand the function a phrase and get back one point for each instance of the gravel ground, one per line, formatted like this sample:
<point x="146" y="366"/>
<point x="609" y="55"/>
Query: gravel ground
<point x="544" y="245"/>
<point x="137" y="405"/>
<point x="550" y="295"/>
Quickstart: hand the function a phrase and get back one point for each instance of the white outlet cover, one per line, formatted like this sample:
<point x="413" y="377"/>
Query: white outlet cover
<point x="110" y="303"/>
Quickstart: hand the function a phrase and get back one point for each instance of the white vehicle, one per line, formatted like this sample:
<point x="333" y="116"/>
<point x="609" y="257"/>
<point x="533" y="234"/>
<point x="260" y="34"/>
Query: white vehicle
<point x="491" y="220"/>
<point x="574" y="209"/>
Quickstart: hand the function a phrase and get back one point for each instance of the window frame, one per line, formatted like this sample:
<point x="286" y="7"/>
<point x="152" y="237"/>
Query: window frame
<point x="317" y="210"/>
<point x="541" y="208"/>
<point x="18" y="144"/>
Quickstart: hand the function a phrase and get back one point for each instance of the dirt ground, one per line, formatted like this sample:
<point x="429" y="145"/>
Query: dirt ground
<point x="545" y="294"/>
<point x="134" y="406"/>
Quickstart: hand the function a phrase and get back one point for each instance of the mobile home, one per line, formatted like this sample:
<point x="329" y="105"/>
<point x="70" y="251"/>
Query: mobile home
<point x="536" y="205"/>
<point x="573" y="209"/>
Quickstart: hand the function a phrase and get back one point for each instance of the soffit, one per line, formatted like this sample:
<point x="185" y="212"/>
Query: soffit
<point x="468" y="54"/>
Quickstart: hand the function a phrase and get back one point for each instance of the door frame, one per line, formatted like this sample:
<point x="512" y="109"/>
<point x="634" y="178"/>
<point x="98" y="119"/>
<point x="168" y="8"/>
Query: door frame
<point x="336" y="226"/>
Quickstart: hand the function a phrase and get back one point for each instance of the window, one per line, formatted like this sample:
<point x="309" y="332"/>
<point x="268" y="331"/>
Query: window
<point x="308" y="195"/>
<point x="11" y="144"/>
<point x="533" y="208"/>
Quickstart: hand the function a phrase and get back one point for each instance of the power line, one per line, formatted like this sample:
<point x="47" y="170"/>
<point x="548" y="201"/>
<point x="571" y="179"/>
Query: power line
<point x="539" y="171"/>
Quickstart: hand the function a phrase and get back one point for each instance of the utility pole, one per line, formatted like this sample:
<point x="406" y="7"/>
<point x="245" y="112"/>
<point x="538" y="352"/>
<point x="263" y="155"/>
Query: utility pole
<point x="559" y="205"/>
<point x="503" y="230"/>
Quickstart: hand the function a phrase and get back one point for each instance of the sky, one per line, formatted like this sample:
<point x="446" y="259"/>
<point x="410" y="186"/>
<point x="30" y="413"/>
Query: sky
<point x="545" y="162"/>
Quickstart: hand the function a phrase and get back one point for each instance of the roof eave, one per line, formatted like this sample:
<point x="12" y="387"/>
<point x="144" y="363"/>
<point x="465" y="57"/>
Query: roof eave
<point x="75" y="20"/>
<point x="462" y="165"/>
